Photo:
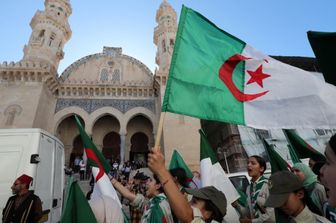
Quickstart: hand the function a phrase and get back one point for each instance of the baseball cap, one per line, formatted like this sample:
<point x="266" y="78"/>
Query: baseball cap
<point x="280" y="185"/>
<point x="140" y="176"/>
<point x="210" y="193"/>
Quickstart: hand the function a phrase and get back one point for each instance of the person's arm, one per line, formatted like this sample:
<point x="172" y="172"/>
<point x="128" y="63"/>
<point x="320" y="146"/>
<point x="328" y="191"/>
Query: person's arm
<point x="176" y="199"/>
<point x="123" y="190"/>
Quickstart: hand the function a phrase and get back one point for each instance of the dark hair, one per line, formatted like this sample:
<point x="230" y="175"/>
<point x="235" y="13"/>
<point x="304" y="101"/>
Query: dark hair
<point x="317" y="167"/>
<point x="180" y="174"/>
<point x="309" y="202"/>
<point x="158" y="182"/>
<point x="261" y="161"/>
<point x="332" y="143"/>
<point x="216" y="214"/>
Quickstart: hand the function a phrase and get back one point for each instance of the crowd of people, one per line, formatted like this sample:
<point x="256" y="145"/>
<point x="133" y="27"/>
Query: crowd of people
<point x="118" y="169"/>
<point x="294" y="196"/>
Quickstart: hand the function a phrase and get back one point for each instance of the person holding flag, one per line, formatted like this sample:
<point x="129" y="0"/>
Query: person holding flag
<point x="257" y="193"/>
<point x="207" y="204"/>
<point x="156" y="208"/>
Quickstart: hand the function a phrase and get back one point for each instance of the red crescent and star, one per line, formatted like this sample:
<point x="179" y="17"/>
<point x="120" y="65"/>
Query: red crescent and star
<point x="257" y="76"/>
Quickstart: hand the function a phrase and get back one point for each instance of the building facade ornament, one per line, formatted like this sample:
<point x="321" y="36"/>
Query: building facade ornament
<point x="91" y="105"/>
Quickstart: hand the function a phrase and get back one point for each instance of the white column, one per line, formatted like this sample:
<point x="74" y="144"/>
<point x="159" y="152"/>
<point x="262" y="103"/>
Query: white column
<point x="122" y="147"/>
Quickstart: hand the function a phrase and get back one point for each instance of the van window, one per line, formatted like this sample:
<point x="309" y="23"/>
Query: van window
<point x="240" y="182"/>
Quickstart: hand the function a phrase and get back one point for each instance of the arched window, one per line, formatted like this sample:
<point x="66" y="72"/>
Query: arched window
<point x="52" y="38"/>
<point x="104" y="75"/>
<point x="41" y="33"/>
<point x="163" y="46"/>
<point x="116" y="75"/>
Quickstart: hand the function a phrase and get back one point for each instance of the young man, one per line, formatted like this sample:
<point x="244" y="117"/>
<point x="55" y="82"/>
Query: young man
<point x="207" y="203"/>
<point x="137" y="188"/>
<point x="328" y="178"/>
<point x="24" y="206"/>
<point x="287" y="193"/>
<point x="155" y="207"/>
<point x="328" y="170"/>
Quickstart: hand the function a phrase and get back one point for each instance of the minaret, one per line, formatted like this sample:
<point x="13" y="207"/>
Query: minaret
<point x="164" y="39"/>
<point x="175" y="125"/>
<point x="50" y="31"/>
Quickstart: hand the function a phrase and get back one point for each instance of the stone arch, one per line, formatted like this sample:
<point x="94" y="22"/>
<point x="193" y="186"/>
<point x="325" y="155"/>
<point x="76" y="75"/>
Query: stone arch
<point x="68" y="133"/>
<point x="139" y="147"/>
<point x="10" y="112"/>
<point x="140" y="130"/>
<point x="141" y="111"/>
<point x="77" y="150"/>
<point x="67" y="112"/>
<point x="105" y="124"/>
<point x="97" y="114"/>
<point x="111" y="146"/>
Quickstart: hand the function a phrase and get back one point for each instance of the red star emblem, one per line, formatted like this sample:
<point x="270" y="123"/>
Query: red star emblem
<point x="257" y="76"/>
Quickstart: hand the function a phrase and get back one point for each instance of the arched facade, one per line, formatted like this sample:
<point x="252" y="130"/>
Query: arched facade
<point x="115" y="95"/>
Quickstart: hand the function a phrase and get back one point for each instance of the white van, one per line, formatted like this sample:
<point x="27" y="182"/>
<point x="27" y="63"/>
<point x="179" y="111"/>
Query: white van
<point x="241" y="180"/>
<point x="40" y="155"/>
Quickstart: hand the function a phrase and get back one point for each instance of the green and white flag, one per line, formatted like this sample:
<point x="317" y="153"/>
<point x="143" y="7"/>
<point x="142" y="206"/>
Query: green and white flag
<point x="177" y="161"/>
<point x="76" y="207"/>
<point x="100" y="167"/>
<point x="301" y="147"/>
<point x="212" y="174"/>
<point x="216" y="76"/>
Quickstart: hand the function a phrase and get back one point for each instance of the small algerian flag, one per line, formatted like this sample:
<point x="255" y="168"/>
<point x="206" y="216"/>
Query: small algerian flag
<point x="301" y="147"/>
<point x="76" y="207"/>
<point x="177" y="161"/>
<point x="216" y="76"/>
<point x="100" y="166"/>
<point x="293" y="155"/>
<point x="277" y="162"/>
<point x="212" y="174"/>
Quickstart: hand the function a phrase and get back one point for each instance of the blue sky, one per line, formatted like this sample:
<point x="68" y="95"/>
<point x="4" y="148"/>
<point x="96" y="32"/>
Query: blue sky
<point x="273" y="27"/>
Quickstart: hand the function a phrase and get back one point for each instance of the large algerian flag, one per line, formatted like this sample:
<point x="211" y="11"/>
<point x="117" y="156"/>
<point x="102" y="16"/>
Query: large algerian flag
<point x="216" y="76"/>
<point x="76" y="207"/>
<point x="212" y="174"/>
<point x="100" y="166"/>
<point x="301" y="147"/>
<point x="177" y="161"/>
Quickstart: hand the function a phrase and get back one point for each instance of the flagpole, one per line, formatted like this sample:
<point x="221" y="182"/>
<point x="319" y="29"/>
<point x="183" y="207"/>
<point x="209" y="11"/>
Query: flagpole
<point x="159" y="130"/>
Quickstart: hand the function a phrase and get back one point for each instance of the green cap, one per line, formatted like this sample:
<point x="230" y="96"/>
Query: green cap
<point x="280" y="185"/>
<point x="210" y="193"/>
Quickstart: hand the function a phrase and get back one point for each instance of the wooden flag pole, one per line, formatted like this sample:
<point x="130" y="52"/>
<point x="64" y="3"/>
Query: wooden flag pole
<point x="159" y="130"/>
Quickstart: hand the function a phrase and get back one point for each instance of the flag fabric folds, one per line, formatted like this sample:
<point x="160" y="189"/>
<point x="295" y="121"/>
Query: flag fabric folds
<point x="100" y="166"/>
<point x="216" y="76"/>
<point x="301" y="147"/>
<point x="76" y="207"/>
<point x="177" y="161"/>
<point x="277" y="162"/>
<point x="324" y="47"/>
<point x="212" y="174"/>
<point x="295" y="158"/>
